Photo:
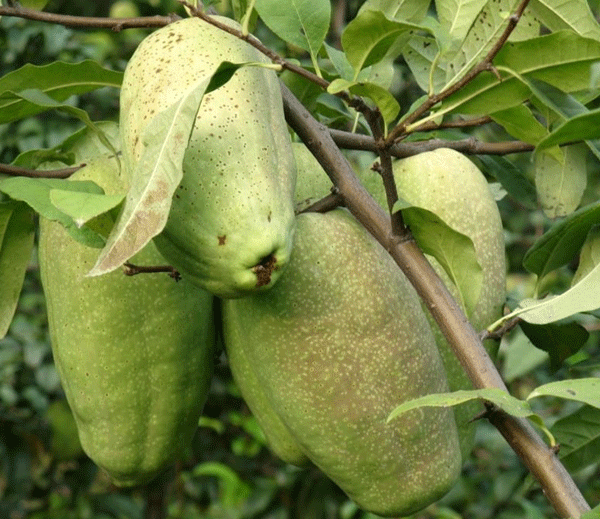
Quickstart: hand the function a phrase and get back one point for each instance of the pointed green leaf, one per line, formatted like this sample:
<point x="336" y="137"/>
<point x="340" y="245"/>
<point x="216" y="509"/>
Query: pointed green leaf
<point x="589" y="256"/>
<point x="383" y="99"/>
<point x="368" y="38"/>
<point x="580" y="128"/>
<point x="498" y="397"/>
<point x="578" y="435"/>
<point x="41" y="100"/>
<point x="511" y="179"/>
<point x="17" y="233"/>
<point x="58" y="80"/>
<point x="564" y="60"/>
<point x="82" y="207"/>
<point x="302" y="22"/>
<point x="453" y="250"/>
<point x="559" y="245"/>
<point x="582" y="297"/>
<point x="560" y="186"/>
<point x="469" y="48"/>
<point x="401" y="10"/>
<point x="584" y="390"/>
<point x="520" y="122"/>
<point x="457" y="16"/>
<point x="420" y="54"/>
<point x="560" y="341"/>
<point x="574" y="15"/>
<point x="35" y="192"/>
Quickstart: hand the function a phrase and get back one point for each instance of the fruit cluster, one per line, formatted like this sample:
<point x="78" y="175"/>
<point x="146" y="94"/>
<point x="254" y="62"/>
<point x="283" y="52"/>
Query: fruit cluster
<point x="323" y="332"/>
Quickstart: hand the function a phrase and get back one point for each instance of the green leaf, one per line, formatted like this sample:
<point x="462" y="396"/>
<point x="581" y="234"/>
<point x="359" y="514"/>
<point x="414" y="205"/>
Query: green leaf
<point x="559" y="245"/>
<point x="511" y="179"/>
<point x="420" y="54"/>
<point x="457" y="16"/>
<point x="563" y="59"/>
<point x="560" y="341"/>
<point x="578" y="435"/>
<point x="520" y="122"/>
<point x="153" y="182"/>
<point x="82" y="207"/>
<point x="574" y="15"/>
<point x="589" y="256"/>
<point x="383" y="99"/>
<point x="16" y="243"/>
<point x="402" y="10"/>
<point x="560" y="186"/>
<point x="484" y="24"/>
<point x="498" y="397"/>
<point x="302" y="22"/>
<point x="79" y="147"/>
<point x="58" y="80"/>
<point x="453" y="250"/>
<point x="41" y="100"/>
<point x="579" y="128"/>
<point x="582" y="297"/>
<point x="368" y="38"/>
<point x="35" y="192"/>
<point x="583" y="390"/>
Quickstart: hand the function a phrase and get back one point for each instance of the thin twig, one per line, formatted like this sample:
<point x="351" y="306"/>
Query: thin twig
<point x="17" y="171"/>
<point x="130" y="269"/>
<point x="470" y="146"/>
<point x="115" y="24"/>
<point x="325" y="204"/>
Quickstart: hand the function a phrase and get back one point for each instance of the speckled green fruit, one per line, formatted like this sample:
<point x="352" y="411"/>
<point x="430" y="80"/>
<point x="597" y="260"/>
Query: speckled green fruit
<point x="337" y="344"/>
<point x="231" y="224"/>
<point x="134" y="354"/>
<point x="450" y="185"/>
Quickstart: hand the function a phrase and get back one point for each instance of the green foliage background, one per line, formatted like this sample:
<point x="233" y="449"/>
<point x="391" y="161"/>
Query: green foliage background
<point x="228" y="472"/>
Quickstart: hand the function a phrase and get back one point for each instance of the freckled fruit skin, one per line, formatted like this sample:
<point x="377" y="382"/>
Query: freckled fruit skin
<point x="450" y="185"/>
<point x="134" y="354"/>
<point x="231" y="224"/>
<point x="337" y="344"/>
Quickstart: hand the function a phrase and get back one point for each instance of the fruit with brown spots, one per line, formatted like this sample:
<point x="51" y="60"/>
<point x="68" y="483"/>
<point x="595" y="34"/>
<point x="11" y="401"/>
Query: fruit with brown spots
<point x="336" y="345"/>
<point x="233" y="211"/>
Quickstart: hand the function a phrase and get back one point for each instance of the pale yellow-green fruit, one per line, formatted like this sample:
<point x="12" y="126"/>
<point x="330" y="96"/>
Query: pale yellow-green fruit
<point x="231" y="225"/>
<point x="134" y="354"/>
<point x="337" y="344"/>
<point x="448" y="184"/>
<point x="451" y="186"/>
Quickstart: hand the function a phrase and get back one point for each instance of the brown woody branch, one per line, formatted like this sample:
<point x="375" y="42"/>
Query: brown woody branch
<point x="471" y="146"/>
<point x="115" y="24"/>
<point x="17" y="171"/>
<point x="541" y="461"/>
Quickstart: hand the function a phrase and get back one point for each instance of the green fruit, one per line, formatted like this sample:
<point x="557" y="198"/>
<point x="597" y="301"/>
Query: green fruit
<point x="279" y="439"/>
<point x="337" y="344"/>
<point x="451" y="186"/>
<point x="231" y="224"/>
<point x="134" y="354"/>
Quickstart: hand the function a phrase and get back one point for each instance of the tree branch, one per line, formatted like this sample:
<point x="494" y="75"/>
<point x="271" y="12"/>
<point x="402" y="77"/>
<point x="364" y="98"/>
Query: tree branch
<point x="17" y="171"/>
<point x="115" y="24"/>
<point x="471" y="146"/>
<point x="541" y="461"/>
